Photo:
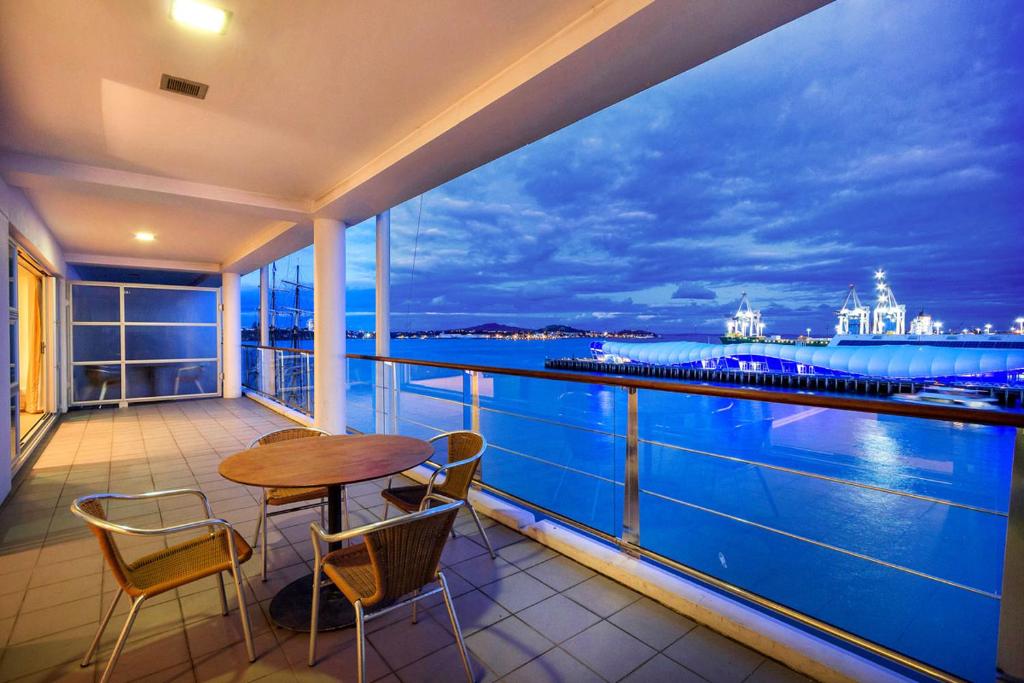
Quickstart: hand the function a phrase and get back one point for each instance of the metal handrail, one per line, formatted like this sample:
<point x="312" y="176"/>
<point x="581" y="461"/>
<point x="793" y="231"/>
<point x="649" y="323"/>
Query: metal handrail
<point x="998" y="418"/>
<point x="629" y="538"/>
<point x="278" y="348"/>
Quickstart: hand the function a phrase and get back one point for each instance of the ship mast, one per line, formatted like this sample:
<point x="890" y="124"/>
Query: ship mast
<point x="889" y="316"/>
<point x="853" y="311"/>
<point x="296" y="311"/>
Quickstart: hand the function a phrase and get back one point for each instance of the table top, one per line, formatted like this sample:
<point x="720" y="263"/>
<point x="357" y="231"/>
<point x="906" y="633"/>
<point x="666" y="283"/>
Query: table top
<point x="325" y="460"/>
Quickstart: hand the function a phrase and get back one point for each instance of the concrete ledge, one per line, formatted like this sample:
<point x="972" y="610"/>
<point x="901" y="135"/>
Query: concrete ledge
<point x="280" y="408"/>
<point x="794" y="647"/>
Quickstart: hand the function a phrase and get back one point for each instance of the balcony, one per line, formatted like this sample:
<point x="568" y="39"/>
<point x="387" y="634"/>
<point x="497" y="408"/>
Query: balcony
<point x="530" y="615"/>
<point x="647" y="530"/>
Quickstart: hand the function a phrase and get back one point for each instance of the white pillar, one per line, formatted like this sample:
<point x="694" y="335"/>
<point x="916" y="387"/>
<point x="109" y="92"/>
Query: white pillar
<point x="329" y="409"/>
<point x="268" y="369"/>
<point x="383" y="319"/>
<point x="231" y="323"/>
<point x="265" y="306"/>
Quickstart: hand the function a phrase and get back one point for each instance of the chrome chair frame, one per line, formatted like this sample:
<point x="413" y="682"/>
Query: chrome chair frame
<point x="260" y="539"/>
<point x="318" y="535"/>
<point x="210" y="522"/>
<point x="441" y="469"/>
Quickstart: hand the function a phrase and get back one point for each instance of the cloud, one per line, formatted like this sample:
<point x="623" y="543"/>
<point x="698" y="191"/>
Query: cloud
<point x="789" y="168"/>
<point x="693" y="291"/>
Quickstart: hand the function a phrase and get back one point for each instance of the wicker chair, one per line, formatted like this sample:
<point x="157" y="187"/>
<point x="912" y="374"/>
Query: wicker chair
<point x="465" y="449"/>
<point x="396" y="561"/>
<point x="275" y="497"/>
<point x="218" y="550"/>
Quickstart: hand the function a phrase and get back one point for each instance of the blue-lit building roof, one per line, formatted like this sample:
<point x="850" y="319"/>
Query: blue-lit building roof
<point x="917" y="362"/>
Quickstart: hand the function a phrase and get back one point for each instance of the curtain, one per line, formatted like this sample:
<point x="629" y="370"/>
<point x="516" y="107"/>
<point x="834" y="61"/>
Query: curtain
<point x="30" y="340"/>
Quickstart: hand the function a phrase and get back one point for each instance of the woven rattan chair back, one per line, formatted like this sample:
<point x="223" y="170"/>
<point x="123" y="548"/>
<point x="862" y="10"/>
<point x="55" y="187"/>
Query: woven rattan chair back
<point x="287" y="435"/>
<point x="111" y="553"/>
<point x="405" y="556"/>
<point x="461" y="446"/>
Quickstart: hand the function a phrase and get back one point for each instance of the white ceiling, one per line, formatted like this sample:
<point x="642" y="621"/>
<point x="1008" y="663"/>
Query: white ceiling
<point x="302" y="93"/>
<point x="315" y="107"/>
<point x="90" y="223"/>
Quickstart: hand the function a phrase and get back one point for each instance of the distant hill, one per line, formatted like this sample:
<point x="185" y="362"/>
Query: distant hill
<point x="564" y="329"/>
<point x="493" y="327"/>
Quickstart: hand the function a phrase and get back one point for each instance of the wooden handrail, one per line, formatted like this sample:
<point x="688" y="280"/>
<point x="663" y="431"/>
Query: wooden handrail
<point x="1000" y="418"/>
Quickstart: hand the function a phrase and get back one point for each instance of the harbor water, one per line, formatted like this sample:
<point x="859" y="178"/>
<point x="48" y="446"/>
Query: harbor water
<point x="890" y="528"/>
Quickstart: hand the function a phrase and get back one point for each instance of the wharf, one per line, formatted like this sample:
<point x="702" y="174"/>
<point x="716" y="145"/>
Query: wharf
<point x="879" y="386"/>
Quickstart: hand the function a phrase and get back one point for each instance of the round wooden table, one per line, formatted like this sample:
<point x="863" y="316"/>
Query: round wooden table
<point x="334" y="462"/>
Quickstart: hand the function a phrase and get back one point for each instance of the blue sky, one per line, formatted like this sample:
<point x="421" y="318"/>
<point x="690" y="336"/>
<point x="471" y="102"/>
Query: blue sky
<point x="867" y="134"/>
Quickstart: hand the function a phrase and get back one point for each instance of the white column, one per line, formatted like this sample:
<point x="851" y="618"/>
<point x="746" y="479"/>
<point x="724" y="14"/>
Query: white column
<point x="383" y="320"/>
<point x="265" y="306"/>
<point x="268" y="370"/>
<point x="329" y="410"/>
<point x="231" y="324"/>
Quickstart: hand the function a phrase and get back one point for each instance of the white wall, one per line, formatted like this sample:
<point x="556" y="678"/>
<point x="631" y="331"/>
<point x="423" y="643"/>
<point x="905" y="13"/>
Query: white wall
<point x="35" y="236"/>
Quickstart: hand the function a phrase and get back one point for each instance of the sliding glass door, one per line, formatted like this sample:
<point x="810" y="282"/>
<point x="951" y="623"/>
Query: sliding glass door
<point x="32" y="319"/>
<point x="143" y="342"/>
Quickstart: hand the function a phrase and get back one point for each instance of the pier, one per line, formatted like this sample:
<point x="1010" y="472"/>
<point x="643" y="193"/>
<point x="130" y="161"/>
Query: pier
<point x="1008" y="396"/>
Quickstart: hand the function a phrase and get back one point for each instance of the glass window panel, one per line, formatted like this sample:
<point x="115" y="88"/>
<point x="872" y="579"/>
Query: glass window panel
<point x="96" y="342"/>
<point x="171" y="379"/>
<point x="95" y="304"/>
<point x="166" y="342"/>
<point x="147" y="305"/>
<point x="97" y="382"/>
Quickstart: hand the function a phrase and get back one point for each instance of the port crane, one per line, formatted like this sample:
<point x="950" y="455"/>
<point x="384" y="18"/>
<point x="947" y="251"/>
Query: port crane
<point x="889" y="317"/>
<point x="853" y="314"/>
<point x="747" y="321"/>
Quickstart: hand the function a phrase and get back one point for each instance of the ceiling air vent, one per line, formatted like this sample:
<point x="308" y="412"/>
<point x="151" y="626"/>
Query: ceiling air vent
<point x="183" y="86"/>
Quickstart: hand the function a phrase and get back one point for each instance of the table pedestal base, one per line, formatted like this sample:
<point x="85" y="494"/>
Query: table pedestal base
<point x="290" y="608"/>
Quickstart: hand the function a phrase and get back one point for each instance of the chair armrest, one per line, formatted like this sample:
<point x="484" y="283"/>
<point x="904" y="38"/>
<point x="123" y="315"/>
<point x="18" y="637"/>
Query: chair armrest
<point x="317" y="532"/>
<point x="436" y="497"/>
<point x="158" y="531"/>
<point x="154" y="494"/>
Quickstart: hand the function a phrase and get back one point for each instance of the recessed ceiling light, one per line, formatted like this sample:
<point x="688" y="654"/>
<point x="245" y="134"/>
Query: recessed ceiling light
<point x="145" y="236"/>
<point x="200" y="16"/>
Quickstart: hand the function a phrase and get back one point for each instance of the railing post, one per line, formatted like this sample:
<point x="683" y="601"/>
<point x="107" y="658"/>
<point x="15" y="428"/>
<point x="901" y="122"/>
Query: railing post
<point x="474" y="388"/>
<point x="383" y="374"/>
<point x="395" y="407"/>
<point x="631" y="488"/>
<point x="1010" y="655"/>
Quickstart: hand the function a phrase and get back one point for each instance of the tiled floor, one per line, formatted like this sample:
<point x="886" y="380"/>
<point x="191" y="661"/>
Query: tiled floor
<point x="530" y="616"/>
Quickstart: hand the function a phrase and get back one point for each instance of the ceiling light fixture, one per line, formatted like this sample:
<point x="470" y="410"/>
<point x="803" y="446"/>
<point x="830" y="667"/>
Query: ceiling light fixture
<point x="200" y="16"/>
<point x="145" y="236"/>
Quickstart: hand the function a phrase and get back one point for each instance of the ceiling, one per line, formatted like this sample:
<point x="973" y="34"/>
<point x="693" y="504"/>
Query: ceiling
<point x="301" y="93"/>
<point x="315" y="107"/>
<point x="194" y="232"/>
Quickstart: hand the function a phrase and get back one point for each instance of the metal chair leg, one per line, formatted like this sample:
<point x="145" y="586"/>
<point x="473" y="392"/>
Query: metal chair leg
<point x="314" y="615"/>
<point x="344" y="507"/>
<point x="456" y="629"/>
<point x="360" y="642"/>
<point x="415" y="602"/>
<point x="387" y="506"/>
<point x="263" y="545"/>
<point x="119" y="645"/>
<point x="476" y="518"/>
<point x="243" y="612"/>
<point x="223" y="596"/>
<point x="103" y="625"/>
